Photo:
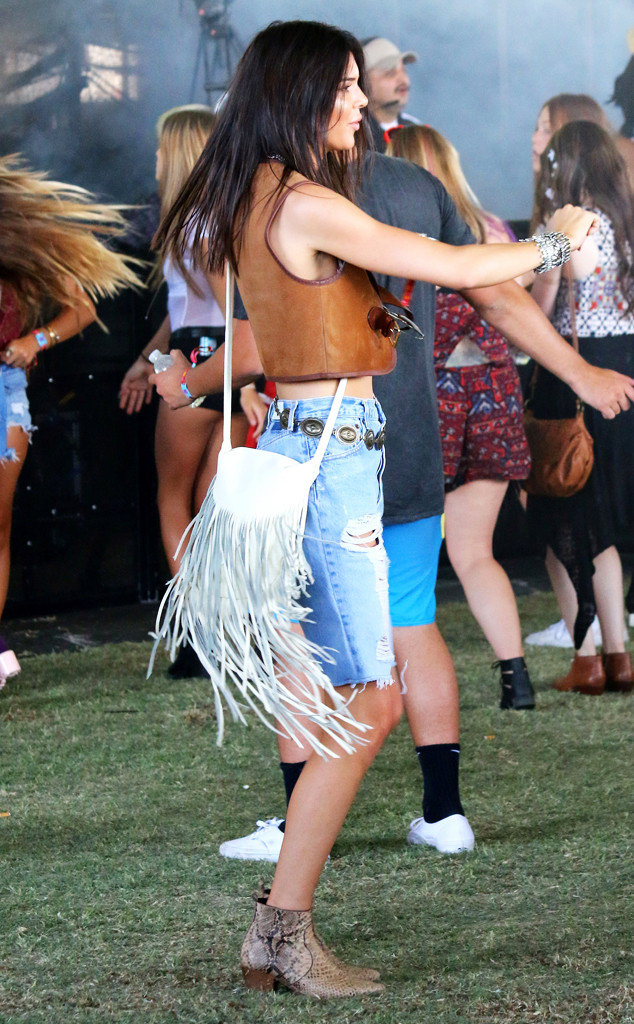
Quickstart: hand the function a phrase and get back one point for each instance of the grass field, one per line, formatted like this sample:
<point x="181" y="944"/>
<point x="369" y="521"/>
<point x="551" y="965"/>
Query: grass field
<point x="115" y="905"/>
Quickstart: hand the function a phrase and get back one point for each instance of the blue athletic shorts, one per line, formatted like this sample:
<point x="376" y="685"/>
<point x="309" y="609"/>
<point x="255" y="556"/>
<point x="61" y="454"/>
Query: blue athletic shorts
<point x="412" y="550"/>
<point x="343" y="536"/>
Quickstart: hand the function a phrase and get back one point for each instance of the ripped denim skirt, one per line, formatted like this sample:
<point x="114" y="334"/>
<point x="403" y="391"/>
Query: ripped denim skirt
<point x="343" y="540"/>
<point x="14" y="407"/>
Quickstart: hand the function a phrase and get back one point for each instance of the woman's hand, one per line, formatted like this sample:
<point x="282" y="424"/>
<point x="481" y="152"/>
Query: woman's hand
<point x="254" y="408"/>
<point x="168" y="382"/>
<point x="607" y="391"/>
<point x="21" y="352"/>
<point x="574" y="222"/>
<point x="136" y="390"/>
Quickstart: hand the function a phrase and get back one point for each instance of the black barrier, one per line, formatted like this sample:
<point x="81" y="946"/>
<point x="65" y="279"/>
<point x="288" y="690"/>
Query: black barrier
<point x="85" y="529"/>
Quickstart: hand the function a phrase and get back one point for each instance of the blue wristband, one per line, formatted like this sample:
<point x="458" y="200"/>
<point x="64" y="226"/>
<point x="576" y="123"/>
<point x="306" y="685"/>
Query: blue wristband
<point x="41" y="339"/>
<point x="184" y="387"/>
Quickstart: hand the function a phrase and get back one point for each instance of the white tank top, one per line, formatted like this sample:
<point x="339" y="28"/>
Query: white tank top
<point x="185" y="308"/>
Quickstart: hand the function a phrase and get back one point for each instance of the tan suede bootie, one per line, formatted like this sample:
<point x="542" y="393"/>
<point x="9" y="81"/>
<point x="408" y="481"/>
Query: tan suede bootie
<point x="619" y="675"/>
<point x="586" y="675"/>
<point x="281" y="948"/>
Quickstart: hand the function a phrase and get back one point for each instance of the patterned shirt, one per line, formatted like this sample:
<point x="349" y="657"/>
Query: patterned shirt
<point x="599" y="302"/>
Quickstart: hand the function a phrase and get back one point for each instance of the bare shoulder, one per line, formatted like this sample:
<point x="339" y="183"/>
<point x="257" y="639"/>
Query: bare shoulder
<point x="302" y="191"/>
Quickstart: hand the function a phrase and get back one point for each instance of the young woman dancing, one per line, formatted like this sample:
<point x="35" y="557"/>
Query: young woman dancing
<point x="481" y="425"/>
<point x="51" y="258"/>
<point x="582" y="164"/>
<point x="187" y="441"/>
<point x="271" y="196"/>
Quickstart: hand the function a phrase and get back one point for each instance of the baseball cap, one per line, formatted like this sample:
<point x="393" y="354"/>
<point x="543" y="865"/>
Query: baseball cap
<point x="382" y="54"/>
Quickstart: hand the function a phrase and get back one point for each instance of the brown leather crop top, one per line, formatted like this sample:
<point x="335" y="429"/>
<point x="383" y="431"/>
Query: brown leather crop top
<point x="306" y="330"/>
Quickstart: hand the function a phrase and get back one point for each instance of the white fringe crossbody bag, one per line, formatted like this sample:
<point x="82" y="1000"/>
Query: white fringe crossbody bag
<point x="236" y="595"/>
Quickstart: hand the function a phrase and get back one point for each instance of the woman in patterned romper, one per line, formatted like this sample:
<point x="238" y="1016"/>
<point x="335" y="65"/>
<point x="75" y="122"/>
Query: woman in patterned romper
<point x="481" y="426"/>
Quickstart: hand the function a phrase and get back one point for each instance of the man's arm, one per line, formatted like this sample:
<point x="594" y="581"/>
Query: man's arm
<point x="515" y="315"/>
<point x="208" y="377"/>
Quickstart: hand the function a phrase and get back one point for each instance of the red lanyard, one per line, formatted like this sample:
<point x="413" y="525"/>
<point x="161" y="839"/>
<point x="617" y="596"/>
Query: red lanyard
<point x="407" y="293"/>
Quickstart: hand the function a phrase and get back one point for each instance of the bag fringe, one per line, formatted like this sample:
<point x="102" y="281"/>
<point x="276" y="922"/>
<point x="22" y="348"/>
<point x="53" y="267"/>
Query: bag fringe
<point x="234" y="601"/>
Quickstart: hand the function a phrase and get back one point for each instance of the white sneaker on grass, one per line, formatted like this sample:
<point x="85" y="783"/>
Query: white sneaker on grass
<point x="557" y="635"/>
<point x="263" y="844"/>
<point x="449" y="835"/>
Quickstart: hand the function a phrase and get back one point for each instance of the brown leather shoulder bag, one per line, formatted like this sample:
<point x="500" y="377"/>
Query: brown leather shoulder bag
<point x="562" y="451"/>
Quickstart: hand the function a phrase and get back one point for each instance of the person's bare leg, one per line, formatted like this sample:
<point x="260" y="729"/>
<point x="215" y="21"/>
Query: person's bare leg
<point x="181" y="440"/>
<point x="471" y="513"/>
<point x="608" y="592"/>
<point x="430" y="694"/>
<point x="209" y="459"/>
<point x="322" y="798"/>
<point x="567" y="600"/>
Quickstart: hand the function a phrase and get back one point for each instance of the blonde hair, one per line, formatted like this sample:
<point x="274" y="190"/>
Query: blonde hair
<point x="51" y="239"/>
<point x="182" y="135"/>
<point x="426" y="147"/>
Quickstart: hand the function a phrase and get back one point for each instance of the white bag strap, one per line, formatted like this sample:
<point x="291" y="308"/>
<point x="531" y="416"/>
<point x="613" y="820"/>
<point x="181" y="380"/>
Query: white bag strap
<point x="226" y="412"/>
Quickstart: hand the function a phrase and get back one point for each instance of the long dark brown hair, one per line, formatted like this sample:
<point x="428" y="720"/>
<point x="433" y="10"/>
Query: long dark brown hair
<point x="581" y="165"/>
<point x="279" y="104"/>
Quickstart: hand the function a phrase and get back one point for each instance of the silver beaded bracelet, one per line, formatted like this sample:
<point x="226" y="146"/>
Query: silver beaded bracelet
<point x="554" y="248"/>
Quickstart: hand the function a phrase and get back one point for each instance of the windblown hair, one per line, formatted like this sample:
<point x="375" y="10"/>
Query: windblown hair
<point x="426" y="147"/>
<point x="581" y="165"/>
<point x="182" y="134"/>
<point x="280" y="103"/>
<point x="51" y="237"/>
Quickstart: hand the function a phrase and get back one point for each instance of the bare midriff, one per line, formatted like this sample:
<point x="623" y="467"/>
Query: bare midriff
<point x="357" y="387"/>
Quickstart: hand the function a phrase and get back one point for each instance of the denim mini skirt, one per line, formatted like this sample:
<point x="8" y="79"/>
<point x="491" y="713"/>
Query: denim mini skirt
<point x="14" y="407"/>
<point x="343" y="540"/>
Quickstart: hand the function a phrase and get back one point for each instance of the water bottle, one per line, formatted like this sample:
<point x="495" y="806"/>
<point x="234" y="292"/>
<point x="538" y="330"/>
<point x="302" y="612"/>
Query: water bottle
<point x="160" y="360"/>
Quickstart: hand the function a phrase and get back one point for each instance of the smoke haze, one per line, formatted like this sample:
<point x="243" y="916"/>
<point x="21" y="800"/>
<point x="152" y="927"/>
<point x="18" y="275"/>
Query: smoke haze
<point x="484" y="72"/>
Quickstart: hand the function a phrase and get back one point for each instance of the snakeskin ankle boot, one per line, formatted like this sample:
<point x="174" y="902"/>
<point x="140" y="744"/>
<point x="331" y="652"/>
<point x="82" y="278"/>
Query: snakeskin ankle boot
<point x="282" y="948"/>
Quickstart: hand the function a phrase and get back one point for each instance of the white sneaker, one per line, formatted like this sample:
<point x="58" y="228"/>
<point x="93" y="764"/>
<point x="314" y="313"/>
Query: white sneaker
<point x="557" y="635"/>
<point x="449" y="835"/>
<point x="263" y="844"/>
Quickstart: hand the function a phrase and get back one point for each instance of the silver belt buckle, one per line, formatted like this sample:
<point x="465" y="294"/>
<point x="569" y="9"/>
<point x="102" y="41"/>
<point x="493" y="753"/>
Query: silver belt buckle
<point x="312" y="427"/>
<point x="347" y="434"/>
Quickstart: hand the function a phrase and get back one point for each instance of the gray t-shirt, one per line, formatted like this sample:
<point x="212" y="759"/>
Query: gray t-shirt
<point x="406" y="196"/>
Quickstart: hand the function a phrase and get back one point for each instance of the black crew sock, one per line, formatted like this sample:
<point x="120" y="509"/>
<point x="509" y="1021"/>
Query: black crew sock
<point x="439" y="763"/>
<point x="291" y="770"/>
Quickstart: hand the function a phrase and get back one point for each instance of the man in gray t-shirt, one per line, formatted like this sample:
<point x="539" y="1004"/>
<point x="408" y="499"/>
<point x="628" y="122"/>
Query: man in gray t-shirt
<point x="407" y="196"/>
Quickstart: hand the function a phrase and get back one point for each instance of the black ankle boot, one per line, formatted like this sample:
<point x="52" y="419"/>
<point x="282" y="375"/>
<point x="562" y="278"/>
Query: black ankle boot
<point x="187" y="665"/>
<point x="517" y="691"/>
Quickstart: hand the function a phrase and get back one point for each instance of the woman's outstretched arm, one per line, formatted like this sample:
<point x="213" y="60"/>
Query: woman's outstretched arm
<point x="315" y="220"/>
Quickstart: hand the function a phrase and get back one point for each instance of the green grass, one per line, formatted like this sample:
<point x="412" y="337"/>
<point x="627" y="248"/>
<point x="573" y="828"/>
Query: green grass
<point x="115" y="905"/>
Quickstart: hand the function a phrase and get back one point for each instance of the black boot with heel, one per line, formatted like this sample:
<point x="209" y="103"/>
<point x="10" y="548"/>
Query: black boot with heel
<point x="517" y="691"/>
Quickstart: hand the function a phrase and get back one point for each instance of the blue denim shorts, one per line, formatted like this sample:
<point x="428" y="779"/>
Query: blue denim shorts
<point x="413" y="550"/>
<point x="14" y="406"/>
<point x="343" y="539"/>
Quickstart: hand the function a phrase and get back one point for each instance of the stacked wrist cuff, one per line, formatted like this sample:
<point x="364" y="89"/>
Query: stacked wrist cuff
<point x="554" y="248"/>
